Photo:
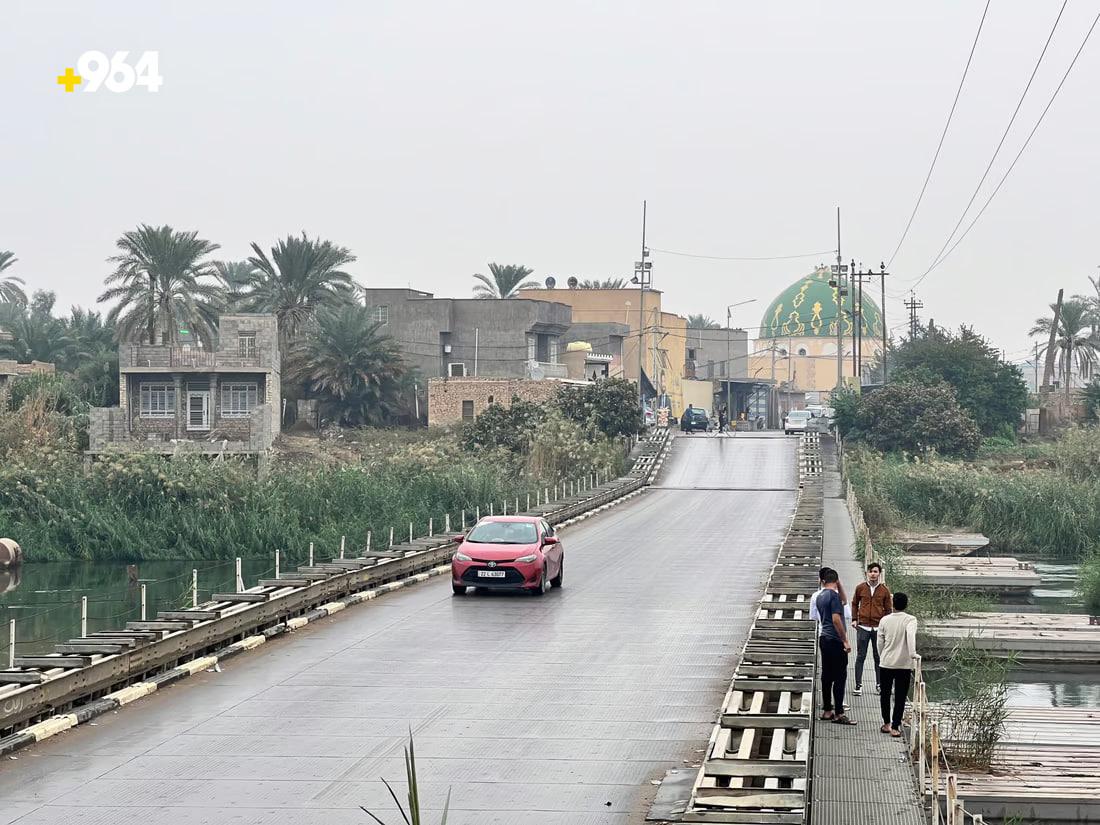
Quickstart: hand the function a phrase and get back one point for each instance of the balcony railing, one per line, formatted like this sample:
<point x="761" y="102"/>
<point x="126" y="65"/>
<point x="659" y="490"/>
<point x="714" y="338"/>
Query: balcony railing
<point x="171" y="357"/>
<point x="543" y="369"/>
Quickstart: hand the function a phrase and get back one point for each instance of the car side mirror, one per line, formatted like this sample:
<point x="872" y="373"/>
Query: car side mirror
<point x="549" y="540"/>
<point x="460" y="537"/>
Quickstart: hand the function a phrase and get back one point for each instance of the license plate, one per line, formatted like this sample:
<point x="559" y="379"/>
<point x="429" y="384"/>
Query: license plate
<point x="490" y="574"/>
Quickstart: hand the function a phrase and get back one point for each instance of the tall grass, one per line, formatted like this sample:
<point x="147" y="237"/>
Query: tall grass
<point x="1042" y="511"/>
<point x="973" y="723"/>
<point x="136" y="507"/>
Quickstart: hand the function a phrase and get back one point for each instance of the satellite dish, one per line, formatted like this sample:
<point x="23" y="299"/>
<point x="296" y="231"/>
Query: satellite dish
<point x="572" y="282"/>
<point x="551" y="282"/>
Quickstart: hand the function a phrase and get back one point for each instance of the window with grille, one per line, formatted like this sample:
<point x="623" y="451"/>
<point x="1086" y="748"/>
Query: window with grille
<point x="467" y="410"/>
<point x="382" y="314"/>
<point x="457" y="370"/>
<point x="158" y="400"/>
<point x="246" y="344"/>
<point x="238" y="400"/>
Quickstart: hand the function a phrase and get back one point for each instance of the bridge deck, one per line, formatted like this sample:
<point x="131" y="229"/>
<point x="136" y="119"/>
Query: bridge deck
<point x="552" y="710"/>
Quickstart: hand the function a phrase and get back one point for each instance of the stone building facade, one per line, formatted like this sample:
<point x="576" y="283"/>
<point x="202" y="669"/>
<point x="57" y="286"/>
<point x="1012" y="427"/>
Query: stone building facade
<point x="466" y="337"/>
<point x="172" y="396"/>
<point x="454" y="400"/>
<point x="10" y="370"/>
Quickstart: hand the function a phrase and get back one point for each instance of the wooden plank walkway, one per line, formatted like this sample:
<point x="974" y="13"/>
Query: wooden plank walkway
<point x="860" y="775"/>
<point x="1033" y="638"/>
<point x="1000" y="574"/>
<point x="940" y="543"/>
<point x="1046" y="768"/>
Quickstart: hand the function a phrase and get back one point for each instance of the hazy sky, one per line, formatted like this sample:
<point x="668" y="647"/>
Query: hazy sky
<point x="431" y="138"/>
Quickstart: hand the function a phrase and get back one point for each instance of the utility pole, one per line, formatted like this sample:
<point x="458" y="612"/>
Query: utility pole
<point x="838" y="284"/>
<point x="641" y="272"/>
<point x="855" y="279"/>
<point x="882" y="312"/>
<point x="912" y="304"/>
<point x="1035" y="364"/>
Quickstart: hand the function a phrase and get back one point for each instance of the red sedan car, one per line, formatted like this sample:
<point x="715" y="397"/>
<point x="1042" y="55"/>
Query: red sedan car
<point x="509" y="553"/>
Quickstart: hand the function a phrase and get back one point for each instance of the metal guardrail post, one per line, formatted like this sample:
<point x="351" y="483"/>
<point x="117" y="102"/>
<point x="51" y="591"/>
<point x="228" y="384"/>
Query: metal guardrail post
<point x="311" y="552"/>
<point x="391" y="538"/>
<point x="431" y="528"/>
<point x="240" y="581"/>
<point x="11" y="643"/>
<point x="194" y="588"/>
<point x="343" y="544"/>
<point x="83" y="617"/>
<point x="277" y="554"/>
<point x="144" y="614"/>
<point x="935" y="766"/>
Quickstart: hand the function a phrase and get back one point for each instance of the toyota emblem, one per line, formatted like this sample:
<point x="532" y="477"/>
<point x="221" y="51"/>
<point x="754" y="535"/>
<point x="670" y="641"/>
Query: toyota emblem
<point x="491" y="564"/>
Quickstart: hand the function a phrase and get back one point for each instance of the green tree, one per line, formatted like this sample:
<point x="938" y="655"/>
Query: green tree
<point x="913" y="416"/>
<point x="161" y="279"/>
<point x="702" y="322"/>
<point x="992" y="392"/>
<point x="233" y="278"/>
<point x="355" y="371"/>
<point x="11" y="286"/>
<point x="302" y="276"/>
<point x="36" y="335"/>
<point x="96" y="373"/>
<point x="1077" y="346"/>
<point x="499" y="427"/>
<point x="608" y="407"/>
<point x="606" y="283"/>
<point x="504" y="281"/>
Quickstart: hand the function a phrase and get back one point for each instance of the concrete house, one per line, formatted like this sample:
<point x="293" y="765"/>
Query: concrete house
<point x="181" y="396"/>
<point x="465" y="337"/>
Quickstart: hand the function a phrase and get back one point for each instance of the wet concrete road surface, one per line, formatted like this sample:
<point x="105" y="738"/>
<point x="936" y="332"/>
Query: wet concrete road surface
<point x="541" y="711"/>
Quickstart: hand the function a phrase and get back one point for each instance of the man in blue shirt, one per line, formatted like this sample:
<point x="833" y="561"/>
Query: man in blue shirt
<point x="834" y="647"/>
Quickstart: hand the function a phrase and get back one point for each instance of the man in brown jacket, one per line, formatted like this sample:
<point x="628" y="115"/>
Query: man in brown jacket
<point x="872" y="601"/>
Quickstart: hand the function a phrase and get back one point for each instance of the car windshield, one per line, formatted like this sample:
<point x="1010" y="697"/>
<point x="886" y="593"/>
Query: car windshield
<point x="699" y="412"/>
<point x="798" y="414"/>
<point x="504" y="532"/>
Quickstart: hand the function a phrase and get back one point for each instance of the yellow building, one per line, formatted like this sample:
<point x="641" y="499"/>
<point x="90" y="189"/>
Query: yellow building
<point x="797" y="341"/>
<point x="663" y="335"/>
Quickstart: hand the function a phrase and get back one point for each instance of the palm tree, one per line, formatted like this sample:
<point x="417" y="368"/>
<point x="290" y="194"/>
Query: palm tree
<point x="159" y="281"/>
<point x="606" y="283"/>
<point x="11" y="287"/>
<point x="233" y="277"/>
<point x="503" y="281"/>
<point x="702" y="322"/>
<point x="1074" y="342"/>
<point x="302" y="276"/>
<point x="36" y="335"/>
<point x="355" y="370"/>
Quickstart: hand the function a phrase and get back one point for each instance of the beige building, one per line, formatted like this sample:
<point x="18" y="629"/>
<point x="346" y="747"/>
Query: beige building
<point x="453" y="400"/>
<point x="662" y="335"/>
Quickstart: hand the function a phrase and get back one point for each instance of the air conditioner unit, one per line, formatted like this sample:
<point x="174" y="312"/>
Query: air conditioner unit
<point x="446" y="349"/>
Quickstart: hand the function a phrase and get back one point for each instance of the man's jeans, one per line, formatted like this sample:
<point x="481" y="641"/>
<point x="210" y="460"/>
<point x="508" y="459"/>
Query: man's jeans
<point x="862" y="638"/>
<point x="834" y="674"/>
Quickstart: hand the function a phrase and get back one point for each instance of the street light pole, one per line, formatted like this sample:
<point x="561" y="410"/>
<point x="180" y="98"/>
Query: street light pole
<point x="640" y="268"/>
<point x="729" y="358"/>
<point x="839" y="309"/>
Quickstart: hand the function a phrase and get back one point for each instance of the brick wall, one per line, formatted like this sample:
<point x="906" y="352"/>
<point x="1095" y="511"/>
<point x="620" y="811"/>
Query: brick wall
<point x="446" y="396"/>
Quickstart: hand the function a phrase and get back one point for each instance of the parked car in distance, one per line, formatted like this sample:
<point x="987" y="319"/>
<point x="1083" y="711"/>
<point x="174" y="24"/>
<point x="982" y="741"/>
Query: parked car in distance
<point x="797" y="421"/>
<point x="508" y="553"/>
<point x="815" y="410"/>
<point x="695" y="419"/>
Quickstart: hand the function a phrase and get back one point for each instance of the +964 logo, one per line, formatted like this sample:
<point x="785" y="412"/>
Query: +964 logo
<point x="95" y="71"/>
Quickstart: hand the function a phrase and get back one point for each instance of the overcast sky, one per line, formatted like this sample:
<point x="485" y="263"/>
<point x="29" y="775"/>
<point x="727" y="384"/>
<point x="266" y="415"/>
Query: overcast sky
<point x="431" y="138"/>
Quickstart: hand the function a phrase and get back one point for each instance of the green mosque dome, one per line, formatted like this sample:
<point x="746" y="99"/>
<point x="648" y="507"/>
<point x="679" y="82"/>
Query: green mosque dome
<point x="808" y="309"/>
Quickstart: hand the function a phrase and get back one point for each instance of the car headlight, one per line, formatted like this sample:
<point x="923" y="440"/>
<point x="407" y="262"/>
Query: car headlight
<point x="460" y="556"/>
<point x="528" y="558"/>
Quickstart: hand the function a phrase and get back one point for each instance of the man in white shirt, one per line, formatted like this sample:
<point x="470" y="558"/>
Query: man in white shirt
<point x="897" y="639"/>
<point x="814" y="615"/>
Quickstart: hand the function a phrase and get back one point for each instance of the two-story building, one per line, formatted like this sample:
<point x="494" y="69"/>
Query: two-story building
<point x="224" y="399"/>
<point x="465" y="337"/>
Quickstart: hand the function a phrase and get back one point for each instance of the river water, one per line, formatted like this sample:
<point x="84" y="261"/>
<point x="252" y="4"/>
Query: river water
<point x="45" y="599"/>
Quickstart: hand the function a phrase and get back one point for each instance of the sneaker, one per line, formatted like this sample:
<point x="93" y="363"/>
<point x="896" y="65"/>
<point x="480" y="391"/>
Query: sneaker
<point x="858" y="691"/>
<point x="878" y="689"/>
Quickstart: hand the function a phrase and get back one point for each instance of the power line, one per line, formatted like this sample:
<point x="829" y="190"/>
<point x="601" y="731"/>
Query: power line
<point x="939" y="146"/>
<point x="742" y="257"/>
<point x="1000" y="144"/>
<point x="1018" y="154"/>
